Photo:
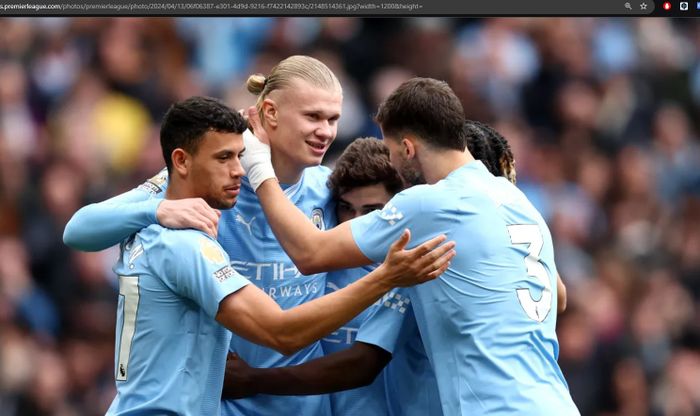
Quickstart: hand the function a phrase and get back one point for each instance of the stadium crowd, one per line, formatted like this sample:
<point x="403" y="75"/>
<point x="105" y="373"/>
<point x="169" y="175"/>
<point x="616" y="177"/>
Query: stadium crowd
<point x="600" y="114"/>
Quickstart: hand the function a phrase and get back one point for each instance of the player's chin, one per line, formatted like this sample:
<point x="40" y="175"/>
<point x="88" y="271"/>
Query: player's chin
<point x="226" y="202"/>
<point x="311" y="160"/>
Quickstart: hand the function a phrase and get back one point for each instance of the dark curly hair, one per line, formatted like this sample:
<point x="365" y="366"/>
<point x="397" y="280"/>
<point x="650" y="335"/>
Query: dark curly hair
<point x="489" y="146"/>
<point x="364" y="162"/>
<point x="186" y="122"/>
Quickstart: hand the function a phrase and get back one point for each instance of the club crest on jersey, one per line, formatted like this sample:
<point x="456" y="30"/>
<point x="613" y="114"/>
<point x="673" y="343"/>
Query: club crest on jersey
<point x="391" y="214"/>
<point x="210" y="251"/>
<point x="155" y="184"/>
<point x="317" y="218"/>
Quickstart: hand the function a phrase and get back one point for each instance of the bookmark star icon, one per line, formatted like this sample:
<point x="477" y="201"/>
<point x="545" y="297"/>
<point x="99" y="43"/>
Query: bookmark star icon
<point x="643" y="6"/>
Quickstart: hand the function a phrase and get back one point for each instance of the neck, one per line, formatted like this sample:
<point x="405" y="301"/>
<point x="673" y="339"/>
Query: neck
<point x="286" y="170"/>
<point x="436" y="165"/>
<point x="178" y="189"/>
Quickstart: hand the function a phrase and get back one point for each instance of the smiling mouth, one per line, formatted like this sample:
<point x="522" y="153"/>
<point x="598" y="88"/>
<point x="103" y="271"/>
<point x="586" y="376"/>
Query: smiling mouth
<point x="318" y="146"/>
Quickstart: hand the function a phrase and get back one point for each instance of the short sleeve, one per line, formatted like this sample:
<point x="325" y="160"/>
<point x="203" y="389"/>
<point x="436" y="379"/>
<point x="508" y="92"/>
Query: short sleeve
<point x="383" y="327"/>
<point x="200" y="270"/>
<point x="375" y="232"/>
<point x="416" y="208"/>
<point x="157" y="184"/>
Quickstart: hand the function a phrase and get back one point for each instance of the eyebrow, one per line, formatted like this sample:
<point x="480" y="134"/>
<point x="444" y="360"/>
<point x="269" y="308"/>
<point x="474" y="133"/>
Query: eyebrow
<point x="225" y="152"/>
<point x="321" y="113"/>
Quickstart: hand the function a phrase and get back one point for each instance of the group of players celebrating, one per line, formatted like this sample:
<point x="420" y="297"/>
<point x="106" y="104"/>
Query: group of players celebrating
<point x="413" y="279"/>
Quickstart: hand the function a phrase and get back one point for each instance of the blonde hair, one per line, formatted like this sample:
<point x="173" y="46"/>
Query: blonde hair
<point x="300" y="67"/>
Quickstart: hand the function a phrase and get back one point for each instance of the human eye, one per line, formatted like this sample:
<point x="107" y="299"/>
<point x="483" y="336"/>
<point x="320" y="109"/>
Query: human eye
<point x="223" y="157"/>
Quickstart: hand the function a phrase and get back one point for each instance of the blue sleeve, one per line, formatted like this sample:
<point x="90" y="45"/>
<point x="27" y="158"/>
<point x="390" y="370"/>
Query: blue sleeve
<point x="375" y="232"/>
<point x="199" y="269"/>
<point x="383" y="327"/>
<point x="98" y="226"/>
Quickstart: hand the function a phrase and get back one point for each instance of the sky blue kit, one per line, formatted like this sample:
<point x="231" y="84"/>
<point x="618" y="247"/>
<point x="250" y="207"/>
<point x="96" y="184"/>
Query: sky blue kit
<point x="488" y="323"/>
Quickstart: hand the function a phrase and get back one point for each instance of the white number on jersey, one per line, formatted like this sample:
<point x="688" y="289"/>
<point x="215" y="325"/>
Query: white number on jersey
<point x="129" y="288"/>
<point x="530" y="235"/>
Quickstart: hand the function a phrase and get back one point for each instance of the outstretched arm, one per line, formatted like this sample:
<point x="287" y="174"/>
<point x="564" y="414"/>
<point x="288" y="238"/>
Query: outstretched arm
<point x="101" y="225"/>
<point x="252" y="314"/>
<point x="353" y="367"/>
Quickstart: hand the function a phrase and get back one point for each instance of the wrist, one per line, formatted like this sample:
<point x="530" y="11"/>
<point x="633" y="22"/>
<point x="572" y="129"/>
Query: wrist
<point x="267" y="184"/>
<point x="380" y="279"/>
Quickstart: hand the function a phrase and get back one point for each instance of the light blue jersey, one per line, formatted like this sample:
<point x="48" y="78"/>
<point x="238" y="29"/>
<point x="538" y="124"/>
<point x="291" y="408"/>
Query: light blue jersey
<point x="256" y="254"/>
<point x="410" y="384"/>
<point x="368" y="400"/>
<point x="488" y="323"/>
<point x="170" y="352"/>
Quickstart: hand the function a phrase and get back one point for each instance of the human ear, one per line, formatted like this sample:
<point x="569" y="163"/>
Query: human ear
<point x="269" y="112"/>
<point x="181" y="161"/>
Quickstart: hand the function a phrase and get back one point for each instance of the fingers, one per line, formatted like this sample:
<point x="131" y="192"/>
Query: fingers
<point x="437" y="267"/>
<point x="189" y="213"/>
<point x="254" y="119"/>
<point x="436" y="254"/>
<point x="436" y="273"/>
<point x="208" y="218"/>
<point x="429" y="245"/>
<point x="402" y="241"/>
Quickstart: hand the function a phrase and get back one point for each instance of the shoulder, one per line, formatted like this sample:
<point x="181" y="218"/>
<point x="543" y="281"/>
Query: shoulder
<point x="316" y="175"/>
<point x="181" y="244"/>
<point x="156" y="184"/>
<point x="412" y="199"/>
<point x="313" y="187"/>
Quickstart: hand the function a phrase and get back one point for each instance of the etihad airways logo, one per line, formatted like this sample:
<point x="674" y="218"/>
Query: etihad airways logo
<point x="269" y="270"/>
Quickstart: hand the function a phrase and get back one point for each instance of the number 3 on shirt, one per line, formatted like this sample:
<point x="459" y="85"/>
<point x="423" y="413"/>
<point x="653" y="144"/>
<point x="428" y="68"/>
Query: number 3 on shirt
<point x="531" y="236"/>
<point x="129" y="288"/>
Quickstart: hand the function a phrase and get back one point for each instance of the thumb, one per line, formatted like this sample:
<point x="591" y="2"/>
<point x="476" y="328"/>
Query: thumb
<point x="402" y="242"/>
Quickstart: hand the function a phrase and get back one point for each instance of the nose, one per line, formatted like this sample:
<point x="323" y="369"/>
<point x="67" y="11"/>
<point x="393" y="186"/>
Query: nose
<point x="325" y="130"/>
<point x="237" y="170"/>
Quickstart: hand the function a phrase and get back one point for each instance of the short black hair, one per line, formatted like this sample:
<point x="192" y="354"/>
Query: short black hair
<point x="427" y="108"/>
<point x="364" y="162"/>
<point x="491" y="148"/>
<point x="186" y="122"/>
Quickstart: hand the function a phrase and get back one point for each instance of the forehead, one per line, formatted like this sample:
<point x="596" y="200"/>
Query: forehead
<point x="375" y="194"/>
<point x="307" y="97"/>
<point x="214" y="141"/>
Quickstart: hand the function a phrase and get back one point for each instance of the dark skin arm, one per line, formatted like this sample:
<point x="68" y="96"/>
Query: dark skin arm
<point x="354" y="367"/>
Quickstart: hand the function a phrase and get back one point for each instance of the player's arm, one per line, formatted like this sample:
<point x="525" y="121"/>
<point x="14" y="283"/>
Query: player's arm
<point x="311" y="250"/>
<point x="561" y="295"/>
<point x="101" y="225"/>
<point x="350" y="368"/>
<point x="252" y="314"/>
